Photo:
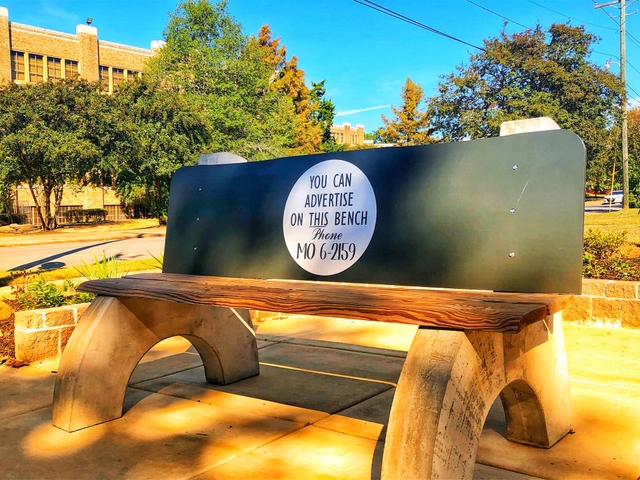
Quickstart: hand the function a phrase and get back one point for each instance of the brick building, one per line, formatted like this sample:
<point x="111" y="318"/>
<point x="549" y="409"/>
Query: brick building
<point x="31" y="54"/>
<point x="348" y="135"/>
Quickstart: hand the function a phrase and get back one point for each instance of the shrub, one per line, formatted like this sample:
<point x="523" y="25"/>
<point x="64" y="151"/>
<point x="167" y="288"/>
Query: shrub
<point x="108" y="267"/>
<point x="79" y="215"/>
<point x="30" y="295"/>
<point x="602" y="245"/>
<point x="9" y="218"/>
<point x="602" y="256"/>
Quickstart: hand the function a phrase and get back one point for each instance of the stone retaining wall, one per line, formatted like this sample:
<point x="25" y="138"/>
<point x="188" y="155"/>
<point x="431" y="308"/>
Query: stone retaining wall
<point x="608" y="303"/>
<point x="42" y="334"/>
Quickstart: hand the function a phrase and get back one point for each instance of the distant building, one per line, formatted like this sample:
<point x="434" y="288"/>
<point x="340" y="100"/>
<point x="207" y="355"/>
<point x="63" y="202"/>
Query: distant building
<point x="348" y="135"/>
<point x="31" y="54"/>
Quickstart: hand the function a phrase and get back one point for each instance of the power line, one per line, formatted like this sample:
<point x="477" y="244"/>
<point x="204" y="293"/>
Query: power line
<point x="570" y="17"/>
<point x="629" y="63"/>
<point x="633" y="39"/>
<point x="610" y="55"/>
<point x="637" y="94"/>
<point x="497" y="14"/>
<point x="391" y="13"/>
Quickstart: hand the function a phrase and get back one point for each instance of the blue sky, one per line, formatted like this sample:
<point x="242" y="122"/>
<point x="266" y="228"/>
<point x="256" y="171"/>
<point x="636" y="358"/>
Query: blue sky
<point x="364" y="56"/>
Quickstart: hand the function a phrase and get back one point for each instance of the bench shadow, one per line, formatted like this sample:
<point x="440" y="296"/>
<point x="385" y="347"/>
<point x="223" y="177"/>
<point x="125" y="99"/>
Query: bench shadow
<point x="43" y="261"/>
<point x="366" y="401"/>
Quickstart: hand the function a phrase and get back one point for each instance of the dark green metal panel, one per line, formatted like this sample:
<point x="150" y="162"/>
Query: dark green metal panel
<point x="502" y="214"/>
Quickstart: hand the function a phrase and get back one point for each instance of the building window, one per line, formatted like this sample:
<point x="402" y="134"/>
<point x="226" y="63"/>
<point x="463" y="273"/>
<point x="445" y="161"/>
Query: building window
<point x="36" y="68"/>
<point x="117" y="76"/>
<point x="17" y="66"/>
<point x="70" y="68"/>
<point x="54" y="68"/>
<point x="103" y="75"/>
<point x="131" y="74"/>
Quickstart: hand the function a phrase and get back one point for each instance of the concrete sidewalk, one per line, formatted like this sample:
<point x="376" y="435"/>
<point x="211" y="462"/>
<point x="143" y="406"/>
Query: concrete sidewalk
<point x="318" y="410"/>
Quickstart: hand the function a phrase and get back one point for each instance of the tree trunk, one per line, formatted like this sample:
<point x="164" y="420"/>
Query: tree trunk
<point x="44" y="222"/>
<point x="57" y="195"/>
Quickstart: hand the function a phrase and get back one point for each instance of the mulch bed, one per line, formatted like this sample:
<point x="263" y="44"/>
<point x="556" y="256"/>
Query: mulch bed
<point x="610" y="272"/>
<point x="7" y="343"/>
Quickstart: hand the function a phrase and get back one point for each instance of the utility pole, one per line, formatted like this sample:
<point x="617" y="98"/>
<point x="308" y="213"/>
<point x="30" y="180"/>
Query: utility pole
<point x="623" y="80"/>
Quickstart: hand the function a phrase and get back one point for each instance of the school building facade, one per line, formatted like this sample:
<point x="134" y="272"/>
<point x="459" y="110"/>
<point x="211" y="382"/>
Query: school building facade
<point x="348" y="135"/>
<point x="30" y="54"/>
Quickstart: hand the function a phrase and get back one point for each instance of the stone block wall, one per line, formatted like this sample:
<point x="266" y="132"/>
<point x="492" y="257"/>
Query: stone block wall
<point x="42" y="334"/>
<point x="608" y="303"/>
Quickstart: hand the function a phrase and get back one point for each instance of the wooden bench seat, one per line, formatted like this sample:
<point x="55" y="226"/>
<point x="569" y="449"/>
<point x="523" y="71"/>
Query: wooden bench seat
<point x="428" y="307"/>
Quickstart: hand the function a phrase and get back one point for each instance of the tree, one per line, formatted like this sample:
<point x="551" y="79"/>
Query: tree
<point x="410" y="126"/>
<point x="209" y="60"/>
<point x="288" y="79"/>
<point x="323" y="112"/>
<point x="530" y="74"/>
<point x="159" y="131"/>
<point x="633" y="120"/>
<point x="48" y="138"/>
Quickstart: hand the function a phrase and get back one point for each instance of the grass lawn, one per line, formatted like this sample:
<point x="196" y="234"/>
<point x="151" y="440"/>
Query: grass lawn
<point x="615" y="222"/>
<point x="627" y="221"/>
<point x="127" y="267"/>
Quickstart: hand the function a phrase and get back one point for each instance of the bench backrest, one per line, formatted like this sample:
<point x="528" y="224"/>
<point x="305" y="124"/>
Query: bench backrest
<point x="502" y="214"/>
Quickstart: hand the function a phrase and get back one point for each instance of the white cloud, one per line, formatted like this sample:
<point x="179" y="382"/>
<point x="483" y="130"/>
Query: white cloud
<point x="351" y="112"/>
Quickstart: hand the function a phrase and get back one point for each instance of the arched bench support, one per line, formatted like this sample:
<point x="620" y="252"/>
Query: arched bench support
<point x="114" y="334"/>
<point x="450" y="380"/>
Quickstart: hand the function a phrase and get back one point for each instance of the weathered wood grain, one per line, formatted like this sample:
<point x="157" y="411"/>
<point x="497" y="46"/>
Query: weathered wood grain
<point x="455" y="309"/>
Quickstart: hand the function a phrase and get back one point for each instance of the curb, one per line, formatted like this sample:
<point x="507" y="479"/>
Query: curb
<point x="64" y="238"/>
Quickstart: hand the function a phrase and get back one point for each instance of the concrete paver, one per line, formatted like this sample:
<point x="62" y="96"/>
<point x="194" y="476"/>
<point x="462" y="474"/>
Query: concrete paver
<point x="160" y="437"/>
<point x="328" y="360"/>
<point x="24" y="389"/>
<point x="318" y="410"/>
<point x="304" y="389"/>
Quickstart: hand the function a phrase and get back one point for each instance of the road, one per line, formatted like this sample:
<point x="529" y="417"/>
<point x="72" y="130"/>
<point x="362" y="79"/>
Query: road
<point x="597" y="206"/>
<point x="46" y="257"/>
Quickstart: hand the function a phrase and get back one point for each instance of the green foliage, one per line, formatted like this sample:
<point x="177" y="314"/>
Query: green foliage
<point x="287" y="79"/>
<point x="50" y="136"/>
<point x="32" y="295"/>
<point x="159" y="131"/>
<point x="40" y="295"/>
<point x="158" y="261"/>
<point x="530" y="74"/>
<point x="602" y="256"/>
<point x="86" y="215"/>
<point x="214" y="66"/>
<point x="9" y="218"/>
<point x="108" y="267"/>
<point x="603" y="245"/>
<point x="410" y="126"/>
<point x="323" y="111"/>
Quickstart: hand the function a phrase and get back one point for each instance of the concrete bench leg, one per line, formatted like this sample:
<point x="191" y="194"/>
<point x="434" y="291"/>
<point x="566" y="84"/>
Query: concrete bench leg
<point x="114" y="334"/>
<point x="450" y="380"/>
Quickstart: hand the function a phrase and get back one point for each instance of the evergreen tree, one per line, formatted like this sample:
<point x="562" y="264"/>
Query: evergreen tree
<point x="288" y="79"/>
<point x="410" y="126"/>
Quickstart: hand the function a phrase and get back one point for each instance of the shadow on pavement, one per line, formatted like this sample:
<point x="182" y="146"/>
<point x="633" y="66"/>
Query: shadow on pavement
<point x="48" y="264"/>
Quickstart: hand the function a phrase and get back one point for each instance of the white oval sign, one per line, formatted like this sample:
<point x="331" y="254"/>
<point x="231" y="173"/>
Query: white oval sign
<point x="329" y="217"/>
